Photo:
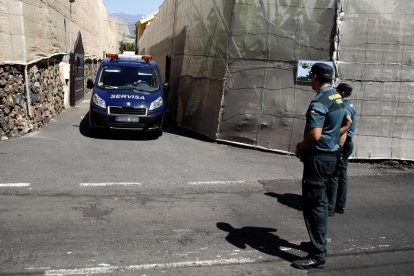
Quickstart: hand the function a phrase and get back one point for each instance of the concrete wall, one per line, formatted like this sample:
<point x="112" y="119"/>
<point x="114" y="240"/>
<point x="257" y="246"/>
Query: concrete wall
<point x="35" y="29"/>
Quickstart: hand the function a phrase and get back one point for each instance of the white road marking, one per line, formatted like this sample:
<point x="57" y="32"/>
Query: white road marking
<point x="37" y="268"/>
<point x="360" y="248"/>
<point x="216" y="182"/>
<point x="135" y="268"/>
<point x="110" y="184"/>
<point x="14" y="185"/>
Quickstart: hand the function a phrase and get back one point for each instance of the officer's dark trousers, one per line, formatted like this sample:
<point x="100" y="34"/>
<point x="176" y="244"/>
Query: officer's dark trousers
<point x="343" y="175"/>
<point x="318" y="169"/>
<point x="337" y="188"/>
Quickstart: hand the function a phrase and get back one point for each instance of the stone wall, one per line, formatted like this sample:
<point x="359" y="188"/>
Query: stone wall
<point x="46" y="86"/>
<point x="46" y="97"/>
<point x="13" y="102"/>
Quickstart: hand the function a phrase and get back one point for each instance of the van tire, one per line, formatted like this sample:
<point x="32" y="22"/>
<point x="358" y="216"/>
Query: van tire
<point x="158" y="133"/>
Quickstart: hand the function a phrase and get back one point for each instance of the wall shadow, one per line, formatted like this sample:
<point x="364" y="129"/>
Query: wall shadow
<point x="171" y="126"/>
<point x="291" y="200"/>
<point x="260" y="238"/>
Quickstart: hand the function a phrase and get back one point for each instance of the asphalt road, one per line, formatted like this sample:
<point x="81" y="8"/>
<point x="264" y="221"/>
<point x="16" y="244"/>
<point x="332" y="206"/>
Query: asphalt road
<point x="76" y="203"/>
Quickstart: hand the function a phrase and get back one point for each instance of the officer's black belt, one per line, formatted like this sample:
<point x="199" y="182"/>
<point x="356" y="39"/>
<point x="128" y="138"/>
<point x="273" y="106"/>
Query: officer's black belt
<point x="320" y="152"/>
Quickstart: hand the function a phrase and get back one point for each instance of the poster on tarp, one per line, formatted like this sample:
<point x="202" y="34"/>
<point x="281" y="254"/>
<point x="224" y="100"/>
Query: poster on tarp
<point x="304" y="66"/>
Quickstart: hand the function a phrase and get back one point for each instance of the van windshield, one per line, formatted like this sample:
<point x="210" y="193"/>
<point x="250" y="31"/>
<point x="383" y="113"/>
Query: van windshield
<point x="116" y="77"/>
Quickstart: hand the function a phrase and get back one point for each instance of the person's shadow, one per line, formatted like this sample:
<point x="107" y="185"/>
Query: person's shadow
<point x="291" y="200"/>
<point x="261" y="239"/>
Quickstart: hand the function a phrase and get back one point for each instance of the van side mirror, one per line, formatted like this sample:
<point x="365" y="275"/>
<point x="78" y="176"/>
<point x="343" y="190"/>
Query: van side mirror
<point x="89" y="84"/>
<point x="166" y="86"/>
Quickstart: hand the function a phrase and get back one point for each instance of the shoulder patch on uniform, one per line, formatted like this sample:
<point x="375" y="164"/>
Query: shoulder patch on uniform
<point x="335" y="96"/>
<point x="311" y="108"/>
<point x="312" y="105"/>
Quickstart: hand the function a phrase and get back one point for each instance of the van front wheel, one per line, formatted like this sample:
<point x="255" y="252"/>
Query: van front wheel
<point x="158" y="133"/>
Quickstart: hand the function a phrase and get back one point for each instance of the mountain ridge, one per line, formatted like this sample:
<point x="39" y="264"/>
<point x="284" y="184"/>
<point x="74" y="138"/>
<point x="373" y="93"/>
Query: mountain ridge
<point x="131" y="19"/>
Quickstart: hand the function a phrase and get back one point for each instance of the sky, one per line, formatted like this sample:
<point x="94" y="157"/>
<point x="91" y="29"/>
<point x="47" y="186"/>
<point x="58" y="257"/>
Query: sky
<point x="133" y="7"/>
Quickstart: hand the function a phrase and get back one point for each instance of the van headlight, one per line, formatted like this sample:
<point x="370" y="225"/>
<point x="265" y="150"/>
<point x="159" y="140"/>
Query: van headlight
<point x="98" y="101"/>
<point x="156" y="104"/>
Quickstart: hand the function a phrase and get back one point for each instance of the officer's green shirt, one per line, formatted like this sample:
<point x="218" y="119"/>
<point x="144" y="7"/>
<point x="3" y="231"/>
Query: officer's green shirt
<point x="326" y="111"/>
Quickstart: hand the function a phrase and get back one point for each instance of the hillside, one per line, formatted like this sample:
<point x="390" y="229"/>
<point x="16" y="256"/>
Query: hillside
<point x="130" y="19"/>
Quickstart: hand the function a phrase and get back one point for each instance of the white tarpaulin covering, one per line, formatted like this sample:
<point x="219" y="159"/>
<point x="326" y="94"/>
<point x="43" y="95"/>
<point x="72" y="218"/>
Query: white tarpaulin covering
<point x="233" y="66"/>
<point x="376" y="56"/>
<point x="33" y="29"/>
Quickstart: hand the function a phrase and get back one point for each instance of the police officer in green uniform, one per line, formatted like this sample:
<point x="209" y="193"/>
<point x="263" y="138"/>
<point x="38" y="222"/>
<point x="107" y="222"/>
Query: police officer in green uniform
<point x="338" y="190"/>
<point x="319" y="152"/>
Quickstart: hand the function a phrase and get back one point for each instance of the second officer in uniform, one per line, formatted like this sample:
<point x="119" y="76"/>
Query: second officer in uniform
<point x="338" y="191"/>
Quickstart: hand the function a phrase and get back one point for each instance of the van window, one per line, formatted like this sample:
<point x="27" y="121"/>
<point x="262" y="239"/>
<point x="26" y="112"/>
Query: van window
<point x="128" y="78"/>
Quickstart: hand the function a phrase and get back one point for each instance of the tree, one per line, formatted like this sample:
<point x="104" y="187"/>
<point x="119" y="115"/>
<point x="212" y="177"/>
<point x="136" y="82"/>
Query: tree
<point x="126" y="46"/>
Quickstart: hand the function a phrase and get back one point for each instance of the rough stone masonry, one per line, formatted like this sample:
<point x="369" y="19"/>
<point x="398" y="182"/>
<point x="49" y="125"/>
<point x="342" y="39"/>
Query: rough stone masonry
<point x="46" y="97"/>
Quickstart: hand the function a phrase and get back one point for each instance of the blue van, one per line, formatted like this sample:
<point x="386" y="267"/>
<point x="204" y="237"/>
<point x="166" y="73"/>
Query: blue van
<point x="128" y="94"/>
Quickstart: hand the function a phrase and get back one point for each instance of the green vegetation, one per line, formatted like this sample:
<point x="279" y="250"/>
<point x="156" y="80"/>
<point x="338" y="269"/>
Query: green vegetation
<point x="306" y="65"/>
<point x="303" y="78"/>
<point x="126" y="46"/>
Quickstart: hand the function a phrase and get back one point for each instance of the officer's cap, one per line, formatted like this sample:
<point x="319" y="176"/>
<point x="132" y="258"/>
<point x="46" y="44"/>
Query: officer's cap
<point x="344" y="87"/>
<point x="322" y="70"/>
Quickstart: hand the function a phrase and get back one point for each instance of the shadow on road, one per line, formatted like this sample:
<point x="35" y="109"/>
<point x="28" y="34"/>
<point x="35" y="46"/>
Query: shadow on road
<point x="169" y="126"/>
<point x="291" y="200"/>
<point x="86" y="130"/>
<point x="259" y="238"/>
